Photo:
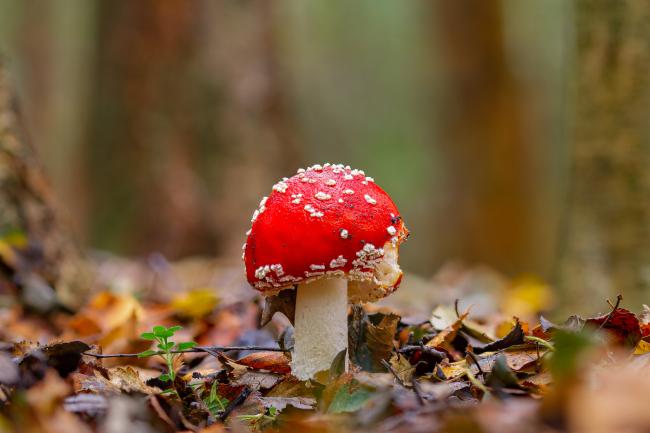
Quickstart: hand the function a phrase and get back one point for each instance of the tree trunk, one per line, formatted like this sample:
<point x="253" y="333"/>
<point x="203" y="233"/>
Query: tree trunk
<point x="607" y="227"/>
<point x="38" y="259"/>
<point x="487" y="210"/>
<point x="188" y="126"/>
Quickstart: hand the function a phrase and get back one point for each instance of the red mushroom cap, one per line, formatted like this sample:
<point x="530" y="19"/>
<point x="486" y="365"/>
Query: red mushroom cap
<point x="326" y="220"/>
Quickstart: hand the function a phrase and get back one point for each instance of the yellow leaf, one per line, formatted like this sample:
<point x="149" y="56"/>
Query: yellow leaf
<point x="195" y="303"/>
<point x="527" y="296"/>
<point x="642" y="348"/>
<point x="504" y="328"/>
<point x="453" y="370"/>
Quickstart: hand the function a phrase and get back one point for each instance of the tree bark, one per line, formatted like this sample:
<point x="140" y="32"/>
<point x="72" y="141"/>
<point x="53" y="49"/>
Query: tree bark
<point x="38" y="258"/>
<point x="487" y="210"/>
<point x="607" y="227"/>
<point x="188" y="127"/>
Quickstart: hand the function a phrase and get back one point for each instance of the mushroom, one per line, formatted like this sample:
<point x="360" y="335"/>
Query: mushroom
<point x="332" y="234"/>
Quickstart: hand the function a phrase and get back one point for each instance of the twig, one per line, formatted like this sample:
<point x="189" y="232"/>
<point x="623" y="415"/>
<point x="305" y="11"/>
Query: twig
<point x="477" y="383"/>
<point x="456" y="307"/>
<point x="236" y="402"/>
<point x="619" y="298"/>
<point x="416" y="390"/>
<point x="475" y="359"/>
<point x="539" y="341"/>
<point x="197" y="349"/>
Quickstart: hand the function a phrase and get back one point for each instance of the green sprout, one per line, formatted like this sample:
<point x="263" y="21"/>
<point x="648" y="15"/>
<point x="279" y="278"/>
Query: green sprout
<point x="215" y="403"/>
<point x="161" y="335"/>
<point x="261" y="419"/>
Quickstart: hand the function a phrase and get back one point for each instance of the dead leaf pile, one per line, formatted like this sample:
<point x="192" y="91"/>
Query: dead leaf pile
<point x="454" y="372"/>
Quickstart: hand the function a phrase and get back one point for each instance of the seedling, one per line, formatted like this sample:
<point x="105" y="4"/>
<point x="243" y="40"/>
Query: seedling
<point x="260" y="420"/>
<point x="162" y="336"/>
<point x="215" y="403"/>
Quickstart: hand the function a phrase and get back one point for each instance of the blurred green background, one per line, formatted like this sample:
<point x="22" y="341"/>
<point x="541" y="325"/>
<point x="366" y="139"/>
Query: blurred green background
<point x="162" y="123"/>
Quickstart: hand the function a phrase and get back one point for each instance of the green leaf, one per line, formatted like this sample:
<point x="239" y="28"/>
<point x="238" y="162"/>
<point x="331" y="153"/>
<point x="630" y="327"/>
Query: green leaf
<point x="569" y="346"/>
<point x="147" y="353"/>
<point x="215" y="403"/>
<point x="173" y="329"/>
<point x="165" y="377"/>
<point x="159" y="331"/>
<point x="166" y="346"/>
<point x="349" y="398"/>
<point x="148" y="336"/>
<point x="186" y="345"/>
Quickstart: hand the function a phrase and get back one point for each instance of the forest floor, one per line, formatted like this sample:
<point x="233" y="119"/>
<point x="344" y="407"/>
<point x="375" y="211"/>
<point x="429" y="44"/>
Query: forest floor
<point x="466" y="351"/>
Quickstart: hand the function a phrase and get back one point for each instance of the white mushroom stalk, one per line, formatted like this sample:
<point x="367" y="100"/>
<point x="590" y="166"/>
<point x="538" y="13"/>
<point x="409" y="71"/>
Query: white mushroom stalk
<point x="321" y="325"/>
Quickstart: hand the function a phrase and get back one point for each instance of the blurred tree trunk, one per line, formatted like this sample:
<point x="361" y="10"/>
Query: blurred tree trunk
<point x="607" y="232"/>
<point x="487" y="211"/>
<point x="188" y="124"/>
<point x="37" y="254"/>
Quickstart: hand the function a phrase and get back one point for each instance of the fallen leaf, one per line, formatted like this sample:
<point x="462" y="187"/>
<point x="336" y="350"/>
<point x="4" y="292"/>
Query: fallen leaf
<point x="88" y="404"/>
<point x="515" y="336"/>
<point x="642" y="347"/>
<point x="622" y="325"/>
<point x="371" y="338"/>
<point x="526" y="296"/>
<point x="446" y="336"/>
<point x="195" y="303"/>
<point x="280" y="403"/>
<point x="284" y="302"/>
<point x="275" y="362"/>
<point x="345" y="394"/>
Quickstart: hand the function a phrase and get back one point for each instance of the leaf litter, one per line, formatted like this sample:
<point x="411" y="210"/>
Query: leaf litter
<point x="457" y="371"/>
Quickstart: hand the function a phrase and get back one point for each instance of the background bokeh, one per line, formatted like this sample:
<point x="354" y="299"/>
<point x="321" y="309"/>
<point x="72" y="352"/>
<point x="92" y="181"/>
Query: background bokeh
<point x="162" y="123"/>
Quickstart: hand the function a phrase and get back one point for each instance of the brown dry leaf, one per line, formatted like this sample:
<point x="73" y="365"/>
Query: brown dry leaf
<point x="520" y="359"/>
<point x="256" y="380"/>
<point x="444" y="338"/>
<point x="275" y="362"/>
<point x="371" y="338"/>
<point x="106" y="311"/>
<point x="291" y="387"/>
<point x="120" y="380"/>
<point x="304" y="403"/>
<point x="46" y="395"/>
<point x="517" y="360"/>
<point x="128" y="380"/>
<point x="402" y="368"/>
<point x="538" y="383"/>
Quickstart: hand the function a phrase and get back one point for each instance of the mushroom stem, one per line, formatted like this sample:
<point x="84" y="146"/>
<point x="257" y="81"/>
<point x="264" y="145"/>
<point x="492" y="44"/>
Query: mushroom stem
<point x="321" y="325"/>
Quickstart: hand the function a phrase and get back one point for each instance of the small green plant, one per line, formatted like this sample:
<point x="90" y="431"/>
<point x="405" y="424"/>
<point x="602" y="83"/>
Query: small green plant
<point x="260" y="420"/>
<point x="162" y="336"/>
<point x="215" y="403"/>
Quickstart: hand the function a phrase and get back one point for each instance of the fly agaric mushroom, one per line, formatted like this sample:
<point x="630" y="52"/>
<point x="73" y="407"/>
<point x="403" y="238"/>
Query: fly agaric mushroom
<point x="333" y="234"/>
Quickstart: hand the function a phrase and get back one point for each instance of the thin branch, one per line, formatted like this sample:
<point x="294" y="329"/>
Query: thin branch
<point x="234" y="403"/>
<point x="475" y="359"/>
<point x="619" y="298"/>
<point x="416" y="390"/>
<point x="198" y="349"/>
